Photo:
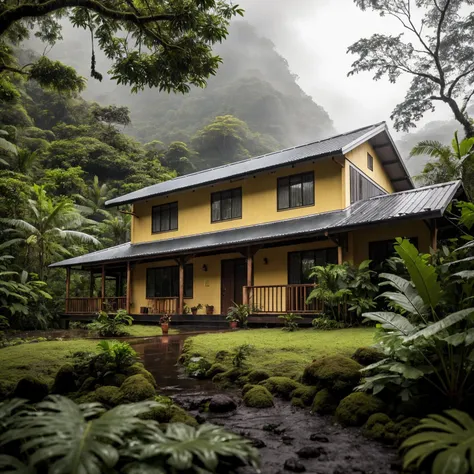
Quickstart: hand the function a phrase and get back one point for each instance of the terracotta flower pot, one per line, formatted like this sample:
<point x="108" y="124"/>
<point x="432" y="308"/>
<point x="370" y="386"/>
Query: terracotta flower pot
<point x="164" y="328"/>
<point x="209" y="311"/>
<point x="233" y="324"/>
<point x="194" y="312"/>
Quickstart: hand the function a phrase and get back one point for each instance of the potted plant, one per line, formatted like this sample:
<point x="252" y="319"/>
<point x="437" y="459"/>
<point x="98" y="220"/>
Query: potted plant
<point x="241" y="313"/>
<point x="209" y="309"/>
<point x="232" y="321"/>
<point x="165" y="323"/>
<point x="195" y="309"/>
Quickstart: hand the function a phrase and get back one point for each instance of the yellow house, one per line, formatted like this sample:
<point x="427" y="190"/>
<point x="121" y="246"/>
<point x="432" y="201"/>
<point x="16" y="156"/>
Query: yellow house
<point x="251" y="231"/>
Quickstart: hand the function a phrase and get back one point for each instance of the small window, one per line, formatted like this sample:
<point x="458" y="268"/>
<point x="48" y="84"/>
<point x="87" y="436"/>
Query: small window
<point x="370" y="162"/>
<point x="362" y="187"/>
<point x="163" y="282"/>
<point x="164" y="218"/>
<point x="295" y="191"/>
<point x="226" y="205"/>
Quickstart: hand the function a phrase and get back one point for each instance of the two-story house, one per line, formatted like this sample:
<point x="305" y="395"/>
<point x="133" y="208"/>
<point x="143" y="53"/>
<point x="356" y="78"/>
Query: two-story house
<point x="251" y="231"/>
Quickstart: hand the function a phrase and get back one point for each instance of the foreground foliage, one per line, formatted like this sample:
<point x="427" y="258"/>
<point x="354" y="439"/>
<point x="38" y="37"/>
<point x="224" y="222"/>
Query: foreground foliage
<point x="73" y="439"/>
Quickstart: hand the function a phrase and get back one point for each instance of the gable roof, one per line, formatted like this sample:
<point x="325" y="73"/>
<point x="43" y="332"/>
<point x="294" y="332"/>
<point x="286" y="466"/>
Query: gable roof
<point x="338" y="145"/>
<point x="422" y="203"/>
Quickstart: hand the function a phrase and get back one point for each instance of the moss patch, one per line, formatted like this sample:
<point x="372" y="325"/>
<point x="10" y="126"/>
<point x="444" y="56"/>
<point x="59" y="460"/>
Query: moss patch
<point x="256" y="376"/>
<point x="30" y="388"/>
<point x="258" y="397"/>
<point x="356" y="408"/>
<point x="381" y="428"/>
<point x="337" y="373"/>
<point x="367" y="355"/>
<point x="168" y="412"/>
<point x="139" y="369"/>
<point x="281" y="386"/>
<point x="280" y="352"/>
<point x="324" y="403"/>
<point x="303" y="396"/>
<point x="229" y="376"/>
<point x="215" y="369"/>
<point x="108" y="395"/>
<point x="135" y="389"/>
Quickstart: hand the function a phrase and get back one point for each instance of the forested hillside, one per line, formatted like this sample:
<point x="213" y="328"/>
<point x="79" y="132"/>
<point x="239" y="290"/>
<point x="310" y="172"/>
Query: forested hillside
<point x="253" y="84"/>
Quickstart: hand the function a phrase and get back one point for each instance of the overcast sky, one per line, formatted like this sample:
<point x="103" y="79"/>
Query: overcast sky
<point x="313" y="35"/>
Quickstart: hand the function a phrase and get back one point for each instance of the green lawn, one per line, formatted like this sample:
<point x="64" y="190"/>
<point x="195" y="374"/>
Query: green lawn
<point x="280" y="352"/>
<point x="40" y="360"/>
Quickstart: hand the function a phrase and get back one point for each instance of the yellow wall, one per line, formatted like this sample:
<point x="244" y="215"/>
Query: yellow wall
<point x="259" y="202"/>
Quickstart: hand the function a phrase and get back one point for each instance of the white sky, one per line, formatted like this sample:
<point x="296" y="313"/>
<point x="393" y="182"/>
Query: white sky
<point x="313" y="35"/>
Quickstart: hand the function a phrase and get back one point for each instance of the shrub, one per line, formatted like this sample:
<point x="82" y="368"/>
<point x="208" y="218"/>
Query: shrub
<point x="258" y="397"/>
<point x="290" y="321"/>
<point x="30" y="388"/>
<point x="326" y="324"/>
<point x="240" y="355"/>
<point x="355" y="409"/>
<point x="65" y="380"/>
<point x="107" y="325"/>
<point x="337" y="373"/>
<point x="367" y="355"/>
<point x="257" y="375"/>
<point x="215" y="369"/>
<point x="197" y="367"/>
<point x="135" y="389"/>
<point x="281" y="386"/>
<point x="304" y="394"/>
<point x="121" y="354"/>
<point x="324" y="403"/>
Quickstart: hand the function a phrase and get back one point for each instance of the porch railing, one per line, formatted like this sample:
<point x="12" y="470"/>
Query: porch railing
<point x="278" y="299"/>
<point x="95" y="304"/>
<point x="163" y="305"/>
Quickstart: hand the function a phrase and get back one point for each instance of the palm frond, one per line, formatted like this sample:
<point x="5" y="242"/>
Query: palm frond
<point x="432" y="148"/>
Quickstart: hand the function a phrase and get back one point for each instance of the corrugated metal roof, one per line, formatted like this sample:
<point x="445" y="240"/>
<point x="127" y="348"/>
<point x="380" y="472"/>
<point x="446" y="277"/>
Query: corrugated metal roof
<point x="426" y="202"/>
<point x="328" y="147"/>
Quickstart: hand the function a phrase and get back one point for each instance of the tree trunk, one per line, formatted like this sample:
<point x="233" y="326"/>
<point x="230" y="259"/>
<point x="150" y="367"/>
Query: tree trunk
<point x="461" y="118"/>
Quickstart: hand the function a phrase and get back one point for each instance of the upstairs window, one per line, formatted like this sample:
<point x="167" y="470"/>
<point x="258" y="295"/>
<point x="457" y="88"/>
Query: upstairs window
<point x="296" y="191"/>
<point x="226" y="205"/>
<point x="163" y="282"/>
<point x="164" y="218"/>
<point x="362" y="187"/>
<point x="370" y="162"/>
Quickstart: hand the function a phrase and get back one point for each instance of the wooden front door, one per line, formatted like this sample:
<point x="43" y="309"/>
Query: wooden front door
<point x="233" y="279"/>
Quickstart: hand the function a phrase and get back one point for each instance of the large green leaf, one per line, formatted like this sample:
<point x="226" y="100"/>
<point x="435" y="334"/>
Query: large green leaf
<point x="424" y="276"/>
<point x="391" y="321"/>
<point x="442" y="324"/>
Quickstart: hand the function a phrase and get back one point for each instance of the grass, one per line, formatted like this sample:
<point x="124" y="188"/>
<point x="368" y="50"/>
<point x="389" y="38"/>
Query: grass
<point x="280" y="352"/>
<point x="40" y="360"/>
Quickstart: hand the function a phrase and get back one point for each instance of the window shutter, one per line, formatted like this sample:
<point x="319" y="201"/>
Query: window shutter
<point x="150" y="283"/>
<point x="283" y="193"/>
<point x="308" y="189"/>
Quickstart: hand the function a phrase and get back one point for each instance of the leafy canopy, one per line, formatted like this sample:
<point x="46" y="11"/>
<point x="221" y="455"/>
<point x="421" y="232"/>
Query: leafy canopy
<point x="436" y="50"/>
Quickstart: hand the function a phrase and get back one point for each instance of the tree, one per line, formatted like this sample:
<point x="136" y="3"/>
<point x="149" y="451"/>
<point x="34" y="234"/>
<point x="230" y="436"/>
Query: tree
<point x="112" y="114"/>
<point x="157" y="43"/>
<point x="94" y="200"/>
<point x="178" y="157"/>
<point x="46" y="227"/>
<point x="450" y="161"/>
<point x="438" y="53"/>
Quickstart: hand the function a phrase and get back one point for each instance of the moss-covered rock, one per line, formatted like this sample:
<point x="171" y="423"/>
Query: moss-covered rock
<point x="258" y="397"/>
<point x="324" y="403"/>
<point x="337" y="373"/>
<point x="381" y="428"/>
<point x="281" y="386"/>
<point x="168" y="412"/>
<point x="356" y="408"/>
<point x="135" y="389"/>
<point x="367" y="355"/>
<point x="197" y="367"/>
<point x="222" y="355"/>
<point x="88" y="385"/>
<point x="108" y="395"/>
<point x="118" y="379"/>
<point x="303" y="396"/>
<point x="247" y="387"/>
<point x="31" y="388"/>
<point x="258" y="375"/>
<point x="139" y="369"/>
<point x="229" y="376"/>
<point x="215" y="369"/>
<point x="65" y="380"/>
<point x="377" y="419"/>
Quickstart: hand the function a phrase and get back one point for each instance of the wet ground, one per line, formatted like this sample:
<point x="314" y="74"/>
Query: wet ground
<point x="287" y="429"/>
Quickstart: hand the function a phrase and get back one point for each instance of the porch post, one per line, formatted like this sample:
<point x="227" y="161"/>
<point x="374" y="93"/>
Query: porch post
<point x="434" y="235"/>
<point x="102" y="288"/>
<point x="340" y="255"/>
<point x="246" y="299"/>
<point x="91" y="285"/>
<point x="68" y="284"/>
<point x="181" y="286"/>
<point x="129" y="287"/>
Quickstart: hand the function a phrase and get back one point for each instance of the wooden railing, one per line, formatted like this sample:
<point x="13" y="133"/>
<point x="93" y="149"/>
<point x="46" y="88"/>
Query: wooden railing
<point x="279" y="299"/>
<point x="95" y="304"/>
<point x="163" y="305"/>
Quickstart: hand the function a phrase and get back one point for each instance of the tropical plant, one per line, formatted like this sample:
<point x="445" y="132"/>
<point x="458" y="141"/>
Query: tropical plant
<point x="59" y="436"/>
<point x="429" y="335"/>
<point x="165" y="319"/>
<point x="290" y="321"/>
<point x="115" y="228"/>
<point x="48" y="225"/>
<point x="240" y="313"/>
<point x="120" y="354"/>
<point x="448" y="161"/>
<point x="112" y="325"/>
<point x="325" y="324"/>
<point x="445" y="443"/>
<point x="93" y="202"/>
<point x="240" y="355"/>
